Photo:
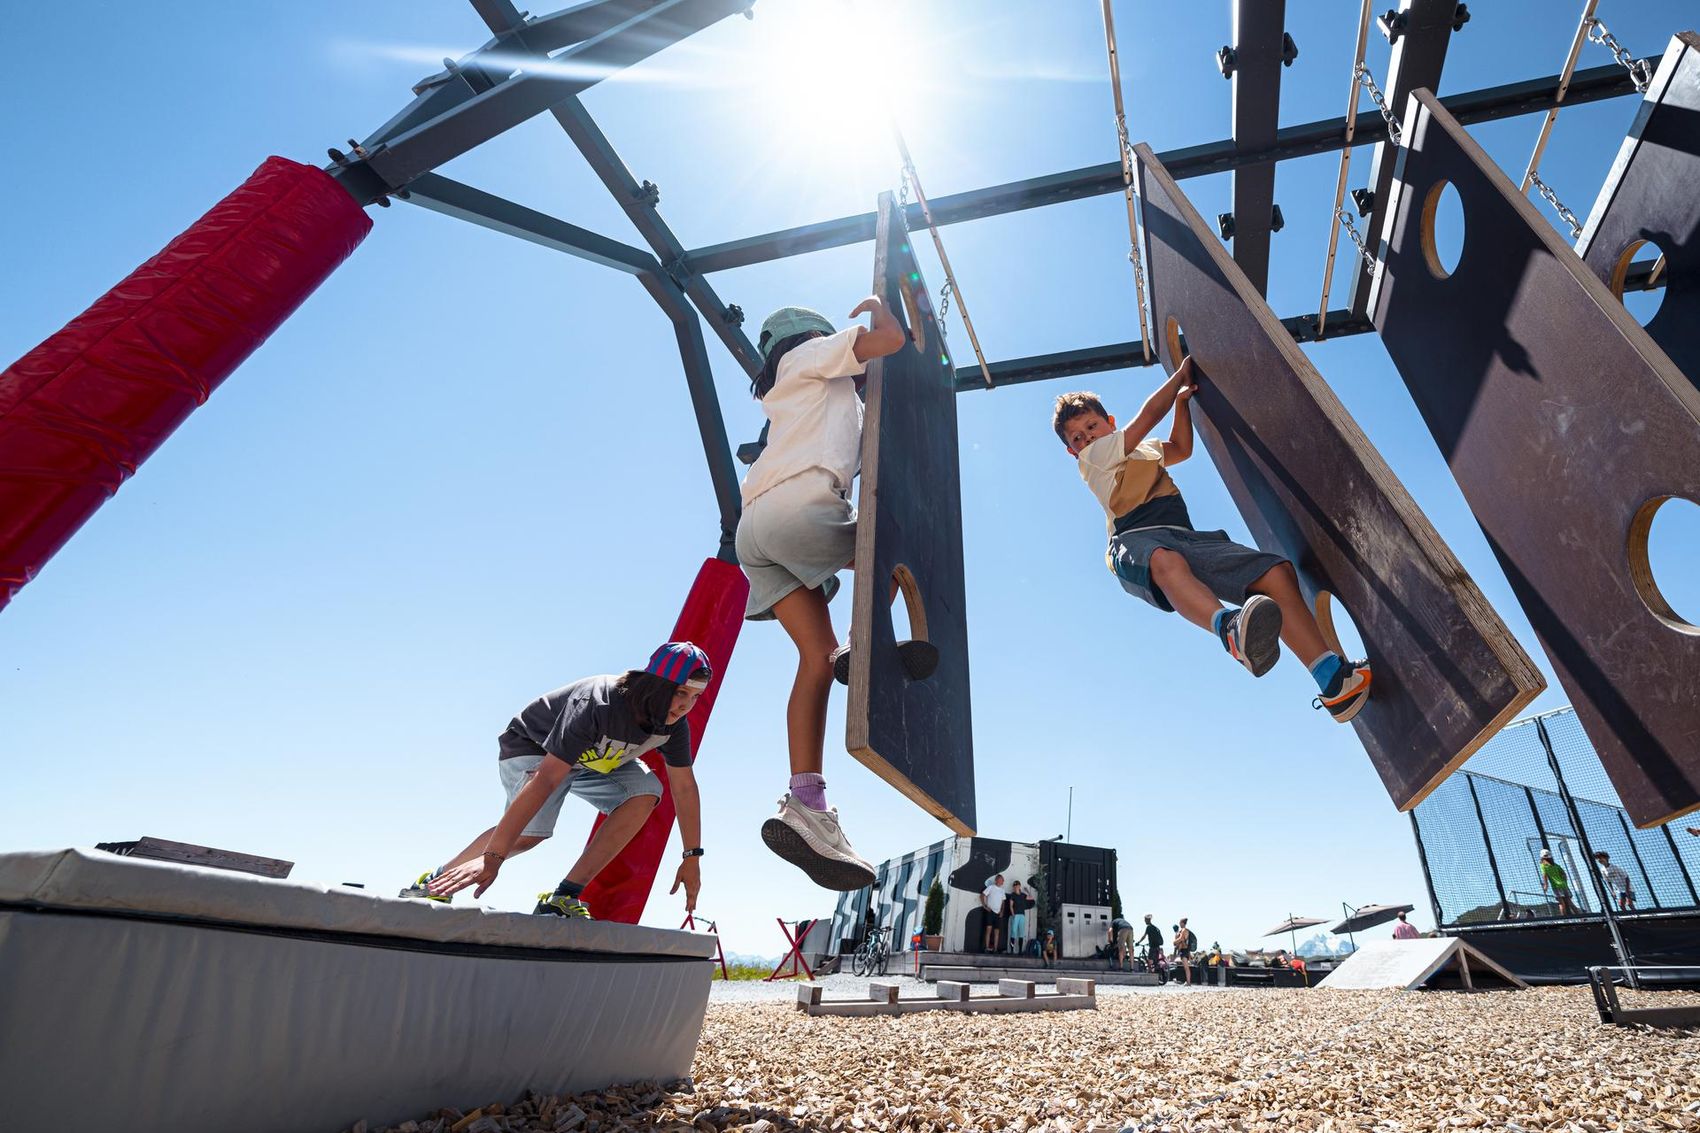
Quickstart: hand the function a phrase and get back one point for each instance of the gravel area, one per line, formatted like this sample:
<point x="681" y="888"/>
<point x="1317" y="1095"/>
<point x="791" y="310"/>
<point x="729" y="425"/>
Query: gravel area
<point x="1161" y="1059"/>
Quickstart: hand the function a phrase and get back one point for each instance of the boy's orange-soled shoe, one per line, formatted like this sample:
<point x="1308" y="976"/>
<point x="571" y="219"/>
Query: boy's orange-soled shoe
<point x="1253" y="634"/>
<point x="1352" y="694"/>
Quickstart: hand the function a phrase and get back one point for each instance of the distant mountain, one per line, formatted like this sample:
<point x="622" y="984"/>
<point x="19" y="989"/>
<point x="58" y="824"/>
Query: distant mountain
<point x="742" y="958"/>
<point x="1325" y="944"/>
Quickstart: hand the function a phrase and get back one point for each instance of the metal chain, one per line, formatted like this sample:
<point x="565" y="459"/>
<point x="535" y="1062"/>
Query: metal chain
<point x="944" y="306"/>
<point x="1368" y="80"/>
<point x="1639" y="72"/>
<point x="1133" y="255"/>
<point x="1551" y="197"/>
<point x="903" y="187"/>
<point x="1345" y="219"/>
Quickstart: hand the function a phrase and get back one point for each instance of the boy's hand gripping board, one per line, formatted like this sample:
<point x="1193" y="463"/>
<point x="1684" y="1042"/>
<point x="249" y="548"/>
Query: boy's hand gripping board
<point x="914" y="734"/>
<point x="1566" y="426"/>
<point x="1650" y="195"/>
<point x="1448" y="674"/>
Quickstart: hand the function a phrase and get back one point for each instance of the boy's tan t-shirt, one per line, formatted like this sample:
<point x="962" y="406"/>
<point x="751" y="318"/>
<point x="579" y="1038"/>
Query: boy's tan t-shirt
<point x="1124" y="481"/>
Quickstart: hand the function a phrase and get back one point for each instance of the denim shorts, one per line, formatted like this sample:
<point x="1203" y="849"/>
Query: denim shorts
<point x="1225" y="567"/>
<point x="604" y="791"/>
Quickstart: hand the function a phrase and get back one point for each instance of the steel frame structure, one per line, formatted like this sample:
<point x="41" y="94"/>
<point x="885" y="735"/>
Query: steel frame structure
<point x="499" y="85"/>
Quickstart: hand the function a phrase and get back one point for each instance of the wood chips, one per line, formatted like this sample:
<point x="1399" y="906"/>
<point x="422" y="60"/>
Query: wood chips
<point x="1210" y="1060"/>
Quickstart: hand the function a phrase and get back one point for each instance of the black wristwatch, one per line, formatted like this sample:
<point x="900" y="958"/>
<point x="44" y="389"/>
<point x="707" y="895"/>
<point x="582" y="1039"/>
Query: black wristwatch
<point x="694" y="853"/>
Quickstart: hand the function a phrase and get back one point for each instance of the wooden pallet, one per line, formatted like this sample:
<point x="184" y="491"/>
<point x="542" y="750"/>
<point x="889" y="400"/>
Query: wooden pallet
<point x="1013" y="995"/>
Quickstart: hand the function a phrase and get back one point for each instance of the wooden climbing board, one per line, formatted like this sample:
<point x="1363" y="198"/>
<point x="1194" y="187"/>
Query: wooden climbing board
<point x="1448" y="674"/>
<point x="915" y="734"/>
<point x="1565" y="426"/>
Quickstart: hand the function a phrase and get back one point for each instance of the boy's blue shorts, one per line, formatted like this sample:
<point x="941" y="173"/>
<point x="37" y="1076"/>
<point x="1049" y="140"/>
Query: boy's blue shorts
<point x="1224" y="566"/>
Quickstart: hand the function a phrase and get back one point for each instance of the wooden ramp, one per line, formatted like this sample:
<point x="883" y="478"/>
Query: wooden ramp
<point x="1432" y="962"/>
<point x="1013" y="995"/>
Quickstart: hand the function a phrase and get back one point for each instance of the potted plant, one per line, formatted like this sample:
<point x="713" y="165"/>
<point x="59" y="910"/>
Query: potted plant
<point x="932" y="918"/>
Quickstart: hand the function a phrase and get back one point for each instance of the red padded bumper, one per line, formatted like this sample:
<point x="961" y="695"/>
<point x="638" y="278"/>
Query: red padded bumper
<point x="81" y="411"/>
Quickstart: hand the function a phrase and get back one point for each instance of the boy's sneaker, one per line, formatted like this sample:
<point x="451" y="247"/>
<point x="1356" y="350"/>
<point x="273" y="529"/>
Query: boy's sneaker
<point x="812" y="841"/>
<point x="1253" y="634"/>
<point x="417" y="889"/>
<point x="558" y="905"/>
<point x="920" y="660"/>
<point x="1348" y="699"/>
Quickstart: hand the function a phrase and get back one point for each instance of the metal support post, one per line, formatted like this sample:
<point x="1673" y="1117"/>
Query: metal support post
<point x="1428" y="874"/>
<point x="1624" y="957"/>
<point x="699" y="379"/>
<point x="426" y="143"/>
<point x="638" y="201"/>
<point x="1493" y="860"/>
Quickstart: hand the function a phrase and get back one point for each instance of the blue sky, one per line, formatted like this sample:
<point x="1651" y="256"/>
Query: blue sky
<point x="466" y="471"/>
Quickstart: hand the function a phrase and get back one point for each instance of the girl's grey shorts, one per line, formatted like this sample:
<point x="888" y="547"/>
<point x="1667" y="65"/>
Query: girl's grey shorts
<point x="1224" y="566"/>
<point x="602" y="790"/>
<point x="799" y="533"/>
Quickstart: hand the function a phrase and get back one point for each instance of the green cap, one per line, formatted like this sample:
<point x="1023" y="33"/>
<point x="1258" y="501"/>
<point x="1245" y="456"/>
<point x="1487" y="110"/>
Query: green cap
<point x="787" y="321"/>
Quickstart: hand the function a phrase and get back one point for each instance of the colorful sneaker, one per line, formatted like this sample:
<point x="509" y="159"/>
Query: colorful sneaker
<point x="1348" y="699"/>
<point x="812" y="841"/>
<point x="557" y="905"/>
<point x="1253" y="637"/>
<point x="417" y="889"/>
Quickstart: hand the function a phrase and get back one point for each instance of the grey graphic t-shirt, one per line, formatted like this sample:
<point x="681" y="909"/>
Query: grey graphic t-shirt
<point x="588" y="724"/>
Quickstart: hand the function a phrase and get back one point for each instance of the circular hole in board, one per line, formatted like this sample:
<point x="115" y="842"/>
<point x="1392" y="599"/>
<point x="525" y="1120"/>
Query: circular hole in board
<point x="1442" y="229"/>
<point x="1642" y="303"/>
<point x="1664" y="542"/>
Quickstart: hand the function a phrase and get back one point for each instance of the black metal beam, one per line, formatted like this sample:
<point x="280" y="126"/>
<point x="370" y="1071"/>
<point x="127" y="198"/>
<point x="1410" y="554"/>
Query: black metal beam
<point x="1425" y="31"/>
<point x="493" y="63"/>
<point x="1259" y="36"/>
<point x="699" y="380"/>
<point x="1123" y="356"/>
<point x="463" y="202"/>
<point x="637" y="201"/>
<point x="1127" y="355"/>
<point x="455" y="129"/>
<point x="1487" y="105"/>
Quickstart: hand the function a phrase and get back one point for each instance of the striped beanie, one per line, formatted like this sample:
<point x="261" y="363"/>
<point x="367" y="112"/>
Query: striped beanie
<point x="679" y="662"/>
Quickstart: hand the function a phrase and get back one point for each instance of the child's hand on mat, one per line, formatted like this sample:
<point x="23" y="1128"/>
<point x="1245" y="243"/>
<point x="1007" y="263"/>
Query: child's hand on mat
<point x="690" y="876"/>
<point x="480" y="872"/>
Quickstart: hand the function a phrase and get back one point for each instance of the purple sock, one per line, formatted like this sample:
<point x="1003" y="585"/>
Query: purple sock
<point x="809" y="789"/>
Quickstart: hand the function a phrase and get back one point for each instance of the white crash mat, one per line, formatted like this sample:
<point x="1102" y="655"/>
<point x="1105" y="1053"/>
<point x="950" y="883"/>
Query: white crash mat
<point x="1431" y="960"/>
<point x="145" y="995"/>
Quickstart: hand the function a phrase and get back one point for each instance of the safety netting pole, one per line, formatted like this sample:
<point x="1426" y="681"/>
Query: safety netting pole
<point x="712" y="617"/>
<point x="80" y="412"/>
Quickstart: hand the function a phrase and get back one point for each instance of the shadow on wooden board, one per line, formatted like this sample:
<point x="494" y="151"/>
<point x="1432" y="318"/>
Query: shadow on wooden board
<point x="1448" y="674"/>
<point x="914" y="734"/>
<point x="1650" y="205"/>
<point x="1566" y="427"/>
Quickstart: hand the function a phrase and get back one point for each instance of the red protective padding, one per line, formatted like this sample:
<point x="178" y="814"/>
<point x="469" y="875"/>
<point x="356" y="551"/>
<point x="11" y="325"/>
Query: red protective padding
<point x="81" y="411"/>
<point x="712" y="617"/>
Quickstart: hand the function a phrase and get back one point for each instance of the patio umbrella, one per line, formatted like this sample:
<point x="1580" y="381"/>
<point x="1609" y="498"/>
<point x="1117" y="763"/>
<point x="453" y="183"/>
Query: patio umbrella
<point x="1291" y="926"/>
<point x="1368" y="916"/>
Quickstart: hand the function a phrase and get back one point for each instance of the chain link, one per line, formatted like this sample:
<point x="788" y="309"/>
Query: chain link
<point x="1639" y="72"/>
<point x="1368" y="80"/>
<point x="944" y="306"/>
<point x="903" y="187"/>
<point x="1551" y="198"/>
<point x="1345" y="218"/>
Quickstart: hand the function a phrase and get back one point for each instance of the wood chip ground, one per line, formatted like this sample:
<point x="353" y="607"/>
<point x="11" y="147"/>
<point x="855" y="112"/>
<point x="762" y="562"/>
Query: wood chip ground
<point x="1254" y="1060"/>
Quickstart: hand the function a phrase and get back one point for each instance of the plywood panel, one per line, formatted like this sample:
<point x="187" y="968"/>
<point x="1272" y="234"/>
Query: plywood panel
<point x="1311" y="487"/>
<point x="1563" y="423"/>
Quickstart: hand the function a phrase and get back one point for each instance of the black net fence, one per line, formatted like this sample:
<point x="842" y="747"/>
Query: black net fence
<point x="1538" y="786"/>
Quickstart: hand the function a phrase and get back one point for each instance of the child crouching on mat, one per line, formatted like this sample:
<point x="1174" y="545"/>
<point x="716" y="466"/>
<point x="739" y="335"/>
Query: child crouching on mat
<point x="1157" y="554"/>
<point x="585" y="740"/>
<point x="797" y="531"/>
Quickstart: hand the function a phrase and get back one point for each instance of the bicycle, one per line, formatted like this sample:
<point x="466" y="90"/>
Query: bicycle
<point x="873" y="956"/>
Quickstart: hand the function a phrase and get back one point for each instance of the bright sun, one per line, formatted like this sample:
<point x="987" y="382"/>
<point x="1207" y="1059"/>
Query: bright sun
<point x="833" y="75"/>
